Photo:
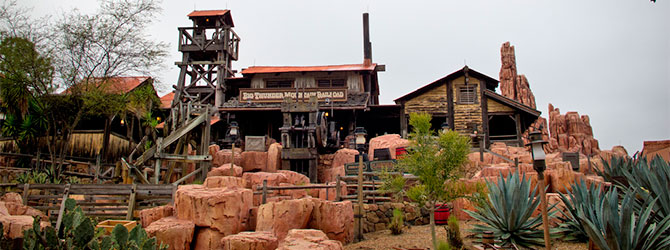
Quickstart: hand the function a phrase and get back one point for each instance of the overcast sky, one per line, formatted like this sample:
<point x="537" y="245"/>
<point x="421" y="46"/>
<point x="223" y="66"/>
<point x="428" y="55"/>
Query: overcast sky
<point x="608" y="59"/>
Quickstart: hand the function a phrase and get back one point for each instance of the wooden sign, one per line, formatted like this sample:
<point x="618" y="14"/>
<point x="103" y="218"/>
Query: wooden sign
<point x="278" y="95"/>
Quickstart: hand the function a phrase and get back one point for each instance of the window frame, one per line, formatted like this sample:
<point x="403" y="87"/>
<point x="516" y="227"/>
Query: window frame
<point x="470" y="99"/>
<point x="279" y="81"/>
<point x="330" y="82"/>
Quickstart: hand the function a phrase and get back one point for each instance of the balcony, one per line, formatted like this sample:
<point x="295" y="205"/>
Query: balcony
<point x="193" y="39"/>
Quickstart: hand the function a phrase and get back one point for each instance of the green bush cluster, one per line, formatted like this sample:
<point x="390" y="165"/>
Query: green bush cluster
<point x="397" y="222"/>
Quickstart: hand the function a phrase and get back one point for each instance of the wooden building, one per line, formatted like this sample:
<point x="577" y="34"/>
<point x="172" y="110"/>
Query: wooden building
<point x="467" y="101"/>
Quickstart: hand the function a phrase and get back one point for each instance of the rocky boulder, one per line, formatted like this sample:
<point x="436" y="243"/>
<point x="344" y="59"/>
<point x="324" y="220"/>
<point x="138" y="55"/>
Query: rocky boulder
<point x="255" y="179"/>
<point x="274" y="157"/>
<point x="280" y="217"/>
<point x="225" y="156"/>
<point x="335" y="219"/>
<point x="390" y="141"/>
<point x="254" y="161"/>
<point x="308" y="239"/>
<point x="224" y="182"/>
<point x="225" y="210"/>
<point x="19" y="209"/>
<point x="207" y="238"/>
<point x="295" y="178"/>
<point x="250" y="241"/>
<point x="331" y="193"/>
<point x="344" y="156"/>
<point x="224" y="170"/>
<point x="149" y="215"/>
<point x="14" y="225"/>
<point x="176" y="233"/>
<point x="12" y="197"/>
<point x="330" y="174"/>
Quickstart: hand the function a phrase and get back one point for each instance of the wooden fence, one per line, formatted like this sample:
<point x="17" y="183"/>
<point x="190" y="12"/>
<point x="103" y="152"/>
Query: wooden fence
<point x="101" y="201"/>
<point x="265" y="189"/>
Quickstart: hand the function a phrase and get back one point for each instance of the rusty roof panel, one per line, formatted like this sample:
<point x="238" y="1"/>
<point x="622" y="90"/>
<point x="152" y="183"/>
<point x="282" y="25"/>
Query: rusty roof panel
<point x="166" y="100"/>
<point x="197" y="13"/>
<point x="326" y="68"/>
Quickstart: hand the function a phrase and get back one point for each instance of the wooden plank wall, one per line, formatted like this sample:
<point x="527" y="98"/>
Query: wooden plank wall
<point x="434" y="102"/>
<point x="466" y="114"/>
<point x="495" y="107"/>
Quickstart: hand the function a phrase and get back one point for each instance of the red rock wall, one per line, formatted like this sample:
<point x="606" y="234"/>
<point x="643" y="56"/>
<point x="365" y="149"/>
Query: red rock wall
<point x="513" y="85"/>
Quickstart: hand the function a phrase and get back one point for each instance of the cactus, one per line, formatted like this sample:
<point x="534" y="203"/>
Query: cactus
<point x="78" y="232"/>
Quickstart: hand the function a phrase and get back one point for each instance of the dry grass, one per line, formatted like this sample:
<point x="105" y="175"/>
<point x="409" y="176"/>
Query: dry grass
<point x="418" y="237"/>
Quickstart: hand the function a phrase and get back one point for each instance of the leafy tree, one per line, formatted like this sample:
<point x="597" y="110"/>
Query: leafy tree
<point x="26" y="77"/>
<point x="436" y="159"/>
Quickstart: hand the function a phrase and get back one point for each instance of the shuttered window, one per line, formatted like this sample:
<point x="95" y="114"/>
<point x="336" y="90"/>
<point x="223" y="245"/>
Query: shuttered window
<point x="467" y="95"/>
<point x="331" y="83"/>
<point x="283" y="83"/>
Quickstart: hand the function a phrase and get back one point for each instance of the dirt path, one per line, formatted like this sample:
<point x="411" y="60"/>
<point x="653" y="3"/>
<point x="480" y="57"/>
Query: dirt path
<point x="418" y="237"/>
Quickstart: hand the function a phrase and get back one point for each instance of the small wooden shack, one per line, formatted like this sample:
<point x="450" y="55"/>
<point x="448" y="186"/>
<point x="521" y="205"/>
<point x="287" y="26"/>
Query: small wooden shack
<point x="466" y="100"/>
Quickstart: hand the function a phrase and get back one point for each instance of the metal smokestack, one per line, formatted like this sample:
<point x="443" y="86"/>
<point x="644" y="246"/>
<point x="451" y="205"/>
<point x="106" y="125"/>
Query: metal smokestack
<point x="367" y="45"/>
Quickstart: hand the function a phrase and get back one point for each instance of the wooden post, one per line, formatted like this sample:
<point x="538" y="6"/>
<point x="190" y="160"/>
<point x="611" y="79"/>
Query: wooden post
<point x="157" y="167"/>
<point x="516" y="162"/>
<point x="97" y="168"/>
<point x="359" y="214"/>
<point x="265" y="192"/>
<point x="131" y="202"/>
<point x="543" y="207"/>
<point x="337" y="188"/>
<point x="204" y="144"/>
<point x="481" y="148"/>
<point x="37" y="162"/>
<point x="26" y="187"/>
<point x="66" y="194"/>
<point x="232" y="160"/>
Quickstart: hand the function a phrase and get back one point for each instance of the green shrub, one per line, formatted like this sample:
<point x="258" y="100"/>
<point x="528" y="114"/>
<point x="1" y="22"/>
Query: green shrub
<point x="508" y="214"/>
<point x="442" y="245"/>
<point x="397" y="222"/>
<point x="454" y="233"/>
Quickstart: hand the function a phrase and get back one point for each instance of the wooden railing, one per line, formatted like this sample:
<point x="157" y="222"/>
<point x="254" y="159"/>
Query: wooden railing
<point x="104" y="201"/>
<point x="214" y="38"/>
<point x="265" y="189"/>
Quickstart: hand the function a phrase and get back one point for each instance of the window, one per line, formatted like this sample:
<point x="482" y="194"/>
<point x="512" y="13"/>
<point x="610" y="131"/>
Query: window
<point x="331" y="83"/>
<point x="467" y="94"/>
<point x="279" y="83"/>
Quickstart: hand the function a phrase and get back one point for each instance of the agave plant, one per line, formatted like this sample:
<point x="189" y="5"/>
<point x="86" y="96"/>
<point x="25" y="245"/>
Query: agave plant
<point x="581" y="201"/>
<point x="508" y="214"/>
<point x="616" y="169"/>
<point x="614" y="226"/>
<point x="651" y="182"/>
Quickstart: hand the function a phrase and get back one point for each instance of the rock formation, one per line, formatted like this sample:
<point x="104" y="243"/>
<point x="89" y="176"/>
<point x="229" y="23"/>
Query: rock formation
<point x="513" y="85"/>
<point x="571" y="133"/>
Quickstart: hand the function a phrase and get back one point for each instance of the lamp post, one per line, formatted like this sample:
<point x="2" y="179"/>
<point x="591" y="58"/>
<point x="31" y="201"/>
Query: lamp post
<point x="360" y="134"/>
<point x="537" y="152"/>
<point x="445" y="127"/>
<point x="233" y="135"/>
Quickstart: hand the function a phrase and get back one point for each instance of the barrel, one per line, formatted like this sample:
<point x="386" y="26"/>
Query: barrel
<point x="399" y="151"/>
<point x="441" y="214"/>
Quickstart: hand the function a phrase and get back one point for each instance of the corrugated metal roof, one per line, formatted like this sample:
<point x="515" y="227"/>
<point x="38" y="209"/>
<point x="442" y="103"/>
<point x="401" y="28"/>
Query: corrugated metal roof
<point x="207" y="13"/>
<point x="326" y="68"/>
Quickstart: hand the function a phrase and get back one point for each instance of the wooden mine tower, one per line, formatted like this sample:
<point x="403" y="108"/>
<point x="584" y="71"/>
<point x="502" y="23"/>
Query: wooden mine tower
<point x="208" y="49"/>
